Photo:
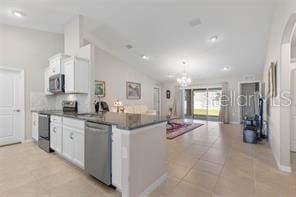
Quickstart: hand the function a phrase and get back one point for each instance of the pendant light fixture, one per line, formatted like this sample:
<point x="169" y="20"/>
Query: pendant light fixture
<point x="184" y="80"/>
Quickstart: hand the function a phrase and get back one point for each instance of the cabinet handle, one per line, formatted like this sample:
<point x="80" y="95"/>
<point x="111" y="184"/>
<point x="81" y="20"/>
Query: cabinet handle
<point x="54" y="130"/>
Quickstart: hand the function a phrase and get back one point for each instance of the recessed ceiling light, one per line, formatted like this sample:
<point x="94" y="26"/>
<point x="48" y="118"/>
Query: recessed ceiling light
<point x="144" y="57"/>
<point x="226" y="68"/>
<point x="18" y="14"/>
<point x="214" y="38"/>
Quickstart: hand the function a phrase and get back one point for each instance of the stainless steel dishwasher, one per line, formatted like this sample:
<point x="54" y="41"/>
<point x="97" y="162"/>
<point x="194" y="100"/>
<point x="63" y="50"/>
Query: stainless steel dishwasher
<point x="98" y="151"/>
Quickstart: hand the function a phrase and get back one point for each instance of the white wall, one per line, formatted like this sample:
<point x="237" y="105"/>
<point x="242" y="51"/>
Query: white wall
<point x="283" y="10"/>
<point x="233" y="86"/>
<point x="116" y="73"/>
<point x="29" y="50"/>
<point x="73" y="36"/>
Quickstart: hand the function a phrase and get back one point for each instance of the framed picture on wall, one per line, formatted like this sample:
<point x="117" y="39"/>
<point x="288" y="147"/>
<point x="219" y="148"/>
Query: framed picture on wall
<point x="133" y="90"/>
<point x="272" y="80"/>
<point x="168" y="94"/>
<point x="100" y="88"/>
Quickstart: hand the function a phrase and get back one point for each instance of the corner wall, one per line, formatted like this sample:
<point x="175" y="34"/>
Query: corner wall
<point x="278" y="138"/>
<point x="28" y="49"/>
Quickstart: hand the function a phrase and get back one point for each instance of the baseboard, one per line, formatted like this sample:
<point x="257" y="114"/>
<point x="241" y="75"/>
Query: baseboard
<point x="153" y="186"/>
<point x="233" y="122"/>
<point x="283" y="167"/>
<point x="27" y="141"/>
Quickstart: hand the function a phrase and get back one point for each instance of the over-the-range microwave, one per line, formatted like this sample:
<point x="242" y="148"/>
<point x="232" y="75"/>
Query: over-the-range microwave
<point x="57" y="83"/>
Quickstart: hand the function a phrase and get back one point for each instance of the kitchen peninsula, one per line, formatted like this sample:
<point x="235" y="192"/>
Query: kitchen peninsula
<point x="137" y="155"/>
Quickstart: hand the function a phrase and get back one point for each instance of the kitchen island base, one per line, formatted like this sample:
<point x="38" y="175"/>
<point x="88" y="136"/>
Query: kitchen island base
<point x="138" y="159"/>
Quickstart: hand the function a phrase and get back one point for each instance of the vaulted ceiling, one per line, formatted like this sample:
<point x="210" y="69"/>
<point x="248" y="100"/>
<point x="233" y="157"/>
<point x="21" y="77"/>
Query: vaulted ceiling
<point x="168" y="32"/>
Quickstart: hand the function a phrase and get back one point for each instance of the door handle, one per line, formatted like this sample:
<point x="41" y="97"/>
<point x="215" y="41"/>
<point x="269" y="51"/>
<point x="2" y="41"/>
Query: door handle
<point x="17" y="110"/>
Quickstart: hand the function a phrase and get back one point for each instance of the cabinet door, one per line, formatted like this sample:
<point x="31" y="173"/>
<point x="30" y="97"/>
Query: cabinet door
<point x="78" y="156"/>
<point x="53" y="136"/>
<point x="59" y="133"/>
<point x="35" y="126"/>
<point x="46" y="82"/>
<point x="56" y="137"/>
<point x="54" y="66"/>
<point x="69" y="76"/>
<point x="68" y="144"/>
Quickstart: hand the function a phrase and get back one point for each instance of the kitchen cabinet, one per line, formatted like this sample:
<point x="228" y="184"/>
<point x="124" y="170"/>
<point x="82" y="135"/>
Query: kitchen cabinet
<point x="56" y="132"/>
<point x="35" y="119"/>
<point x="56" y="64"/>
<point x="76" y="72"/>
<point x="46" y="82"/>
<point x="73" y="141"/>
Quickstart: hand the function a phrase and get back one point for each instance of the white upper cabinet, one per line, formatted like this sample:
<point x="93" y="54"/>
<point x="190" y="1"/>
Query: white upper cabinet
<point x="46" y="82"/>
<point x="56" y="64"/>
<point x="76" y="72"/>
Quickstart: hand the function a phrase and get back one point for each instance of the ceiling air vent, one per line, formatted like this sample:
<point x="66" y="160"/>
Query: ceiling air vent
<point x="129" y="46"/>
<point x="195" y="22"/>
<point x="249" y="78"/>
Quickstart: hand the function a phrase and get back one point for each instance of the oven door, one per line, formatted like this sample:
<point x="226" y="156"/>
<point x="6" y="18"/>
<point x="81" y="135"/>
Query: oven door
<point x="44" y="126"/>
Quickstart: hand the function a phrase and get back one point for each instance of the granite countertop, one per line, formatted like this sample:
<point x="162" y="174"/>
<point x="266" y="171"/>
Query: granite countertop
<point x="123" y="121"/>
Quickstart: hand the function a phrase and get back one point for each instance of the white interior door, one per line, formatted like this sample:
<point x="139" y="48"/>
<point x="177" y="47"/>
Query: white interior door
<point x="157" y="100"/>
<point x="10" y="107"/>
<point x="293" y="111"/>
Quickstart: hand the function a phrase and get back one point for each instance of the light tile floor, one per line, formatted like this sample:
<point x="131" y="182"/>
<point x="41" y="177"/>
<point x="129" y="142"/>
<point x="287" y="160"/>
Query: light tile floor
<point x="209" y="161"/>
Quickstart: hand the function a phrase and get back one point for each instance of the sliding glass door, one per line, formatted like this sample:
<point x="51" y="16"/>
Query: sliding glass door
<point x="200" y="103"/>
<point x="206" y="103"/>
<point x="214" y="103"/>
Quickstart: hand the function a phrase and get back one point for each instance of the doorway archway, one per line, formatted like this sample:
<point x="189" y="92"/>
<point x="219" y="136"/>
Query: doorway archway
<point x="285" y="76"/>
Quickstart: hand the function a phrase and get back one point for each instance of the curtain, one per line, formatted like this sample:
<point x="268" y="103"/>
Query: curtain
<point x="224" y="108"/>
<point x="177" y="104"/>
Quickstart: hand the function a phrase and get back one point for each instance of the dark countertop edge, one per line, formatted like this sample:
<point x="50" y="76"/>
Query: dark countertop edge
<point x="128" y="128"/>
<point x="100" y="122"/>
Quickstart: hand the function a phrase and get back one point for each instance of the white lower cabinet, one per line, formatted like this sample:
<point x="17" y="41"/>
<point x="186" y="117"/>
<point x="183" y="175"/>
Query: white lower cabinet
<point x="35" y="123"/>
<point x="56" y="137"/>
<point x="68" y="145"/>
<point x="73" y="141"/>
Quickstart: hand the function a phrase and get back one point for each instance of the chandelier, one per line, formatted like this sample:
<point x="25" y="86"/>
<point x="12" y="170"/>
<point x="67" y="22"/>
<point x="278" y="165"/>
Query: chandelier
<point x="184" y="80"/>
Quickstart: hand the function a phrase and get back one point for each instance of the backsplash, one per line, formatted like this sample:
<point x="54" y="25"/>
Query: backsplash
<point x="84" y="104"/>
<point x="39" y="101"/>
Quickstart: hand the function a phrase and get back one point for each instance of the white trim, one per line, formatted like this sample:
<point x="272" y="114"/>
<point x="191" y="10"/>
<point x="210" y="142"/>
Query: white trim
<point x="22" y="94"/>
<point x="153" y="186"/>
<point x="27" y="140"/>
<point x="283" y="168"/>
<point x="234" y="122"/>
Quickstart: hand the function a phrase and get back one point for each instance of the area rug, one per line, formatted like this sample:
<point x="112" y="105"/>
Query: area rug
<point x="180" y="127"/>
